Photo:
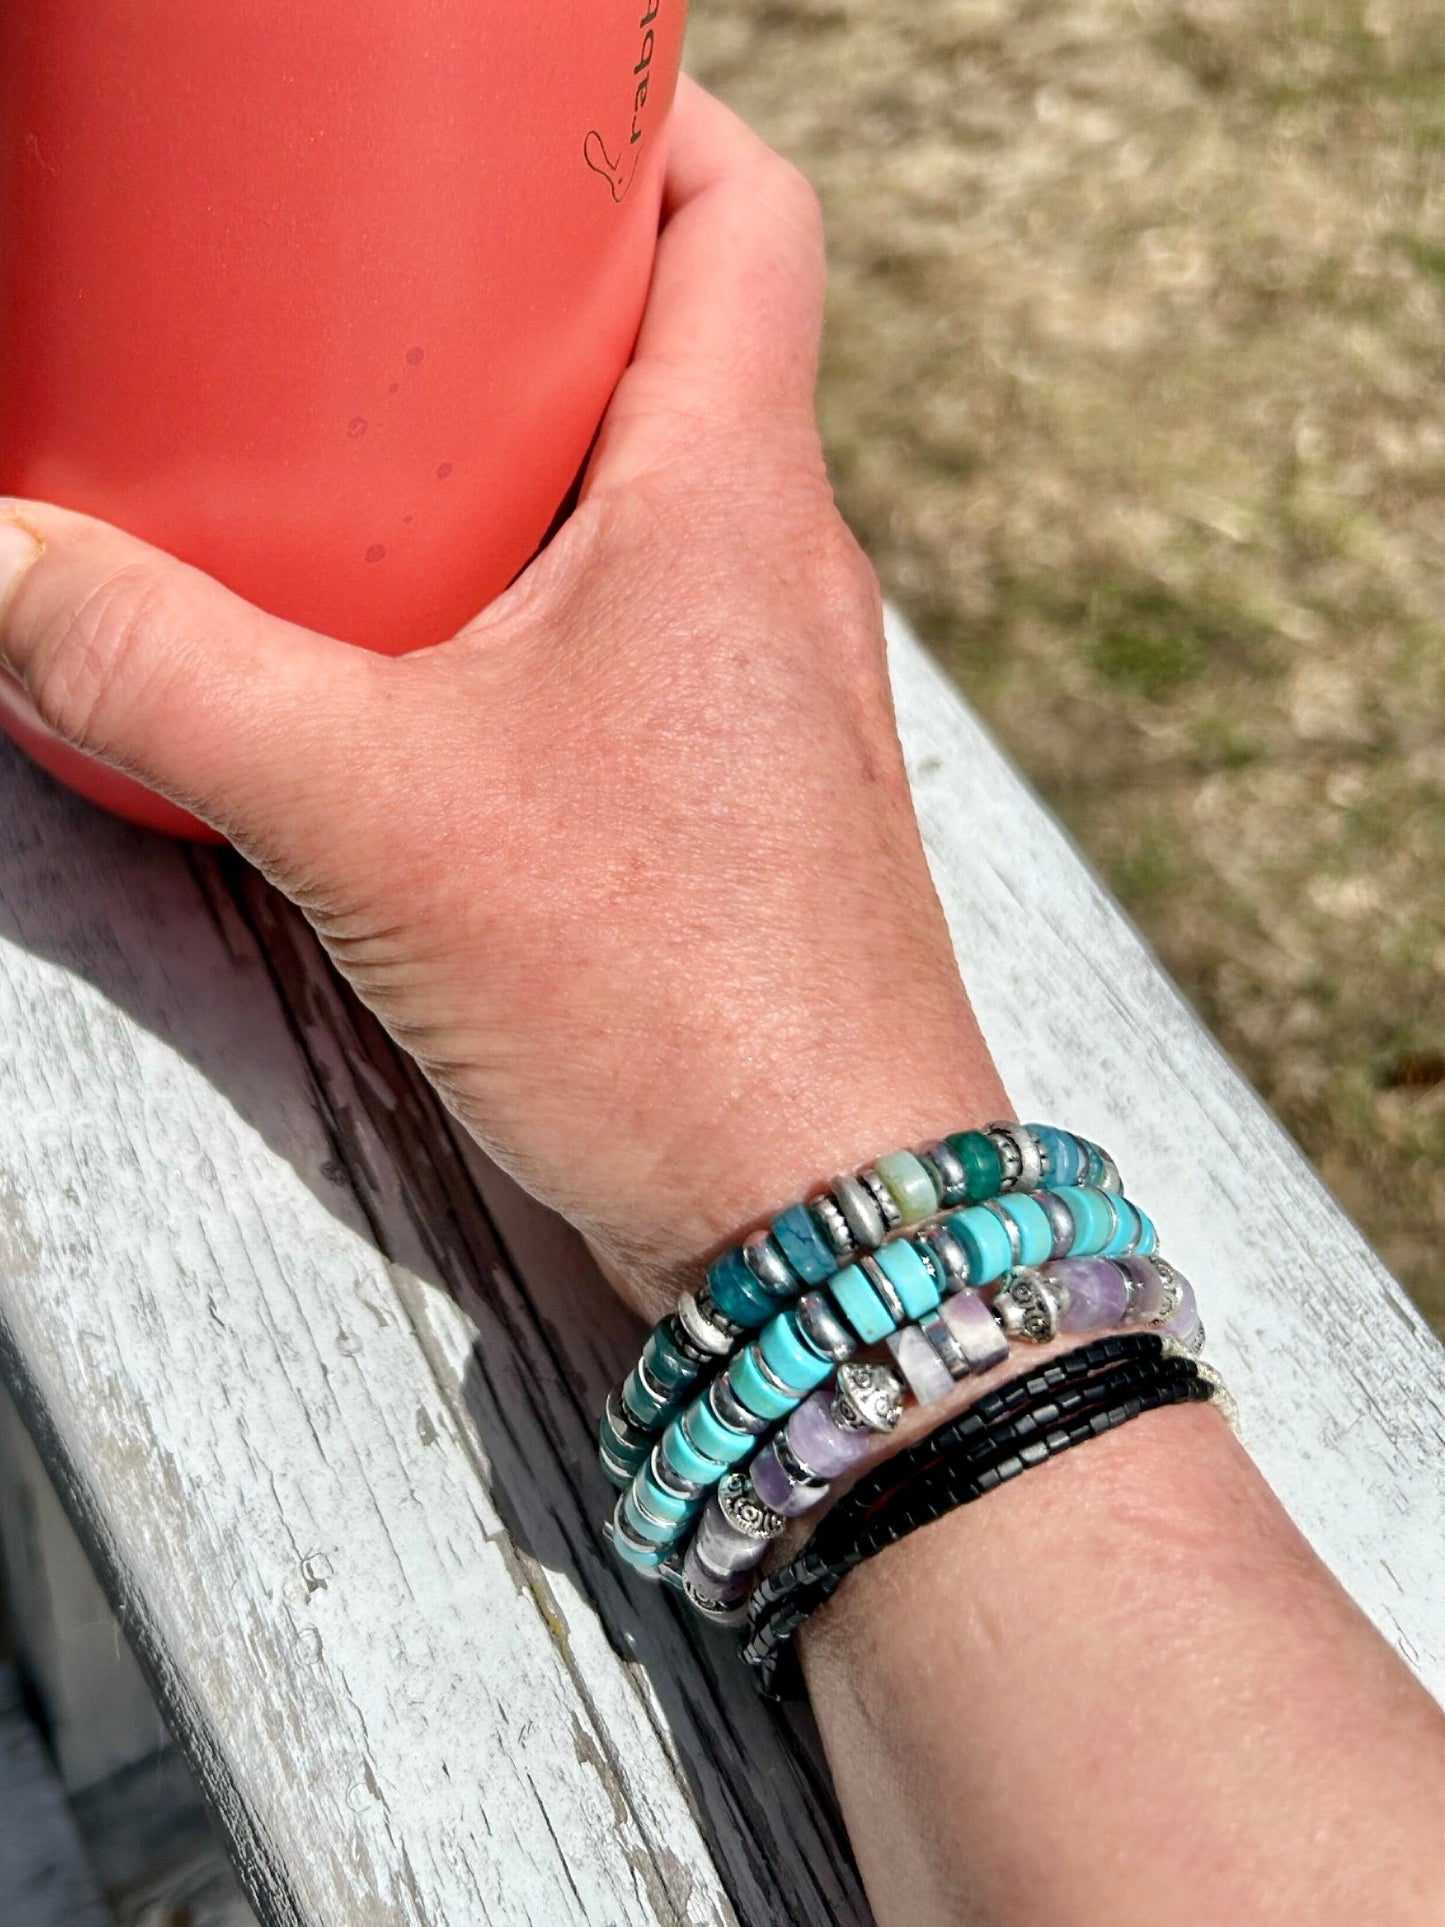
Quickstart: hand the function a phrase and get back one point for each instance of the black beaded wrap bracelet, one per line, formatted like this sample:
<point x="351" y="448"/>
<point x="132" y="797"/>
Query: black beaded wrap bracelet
<point x="1072" y="1399"/>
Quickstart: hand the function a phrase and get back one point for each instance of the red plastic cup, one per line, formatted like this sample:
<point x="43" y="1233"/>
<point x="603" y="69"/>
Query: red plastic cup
<point x="324" y="296"/>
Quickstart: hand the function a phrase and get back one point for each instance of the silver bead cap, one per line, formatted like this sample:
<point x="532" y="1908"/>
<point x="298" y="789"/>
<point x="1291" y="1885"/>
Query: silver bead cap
<point x="745" y="1511"/>
<point x="867" y="1398"/>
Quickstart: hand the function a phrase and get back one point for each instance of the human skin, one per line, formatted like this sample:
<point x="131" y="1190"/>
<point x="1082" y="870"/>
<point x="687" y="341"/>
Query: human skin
<point x="631" y="866"/>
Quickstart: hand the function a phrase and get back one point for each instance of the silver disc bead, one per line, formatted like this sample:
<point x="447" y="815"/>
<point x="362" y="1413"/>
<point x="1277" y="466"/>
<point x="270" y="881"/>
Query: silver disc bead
<point x="887" y="1291"/>
<point x="867" y="1398"/>
<point x="949" y="1352"/>
<point x="863" y="1218"/>
<point x="1014" y="1235"/>
<point x="728" y="1409"/>
<point x="823" y="1329"/>
<point x="951" y="1256"/>
<point x="768" y="1265"/>
<point x="952" y="1178"/>
<point x="671" y="1481"/>
<point x="1061" y="1222"/>
<point x="707" y="1331"/>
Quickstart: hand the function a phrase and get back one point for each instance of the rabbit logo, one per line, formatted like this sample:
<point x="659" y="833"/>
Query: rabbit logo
<point x="619" y="173"/>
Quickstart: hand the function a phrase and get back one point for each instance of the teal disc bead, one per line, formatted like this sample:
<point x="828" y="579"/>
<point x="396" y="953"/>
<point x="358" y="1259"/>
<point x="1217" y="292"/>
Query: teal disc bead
<point x="909" y="1186"/>
<point x="706" y="1431"/>
<point x="1063" y="1154"/>
<point x="982" y="1165"/>
<point x="990" y="1254"/>
<point x="662" y="1504"/>
<point x="1036" y="1234"/>
<point x="803" y="1244"/>
<point x="656" y="1534"/>
<point x="736" y="1292"/>
<point x="910" y="1277"/>
<point x="642" y="1558"/>
<point x="1127" y="1230"/>
<point x="643" y="1400"/>
<point x="1093" y="1226"/>
<point x="860" y="1305"/>
<point x="751" y="1386"/>
<point x="668" y="1364"/>
<point x="788" y="1357"/>
<point x="1148" y="1235"/>
<point x="682" y="1458"/>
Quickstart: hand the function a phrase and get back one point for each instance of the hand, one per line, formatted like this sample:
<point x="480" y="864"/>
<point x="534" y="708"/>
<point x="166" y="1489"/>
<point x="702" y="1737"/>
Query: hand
<point x="630" y="865"/>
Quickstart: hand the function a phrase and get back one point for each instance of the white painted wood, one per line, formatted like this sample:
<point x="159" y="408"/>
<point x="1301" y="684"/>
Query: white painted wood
<point x="99" y="1714"/>
<point x="303" y="1369"/>
<point x="45" y="1879"/>
<point x="1341" y="1383"/>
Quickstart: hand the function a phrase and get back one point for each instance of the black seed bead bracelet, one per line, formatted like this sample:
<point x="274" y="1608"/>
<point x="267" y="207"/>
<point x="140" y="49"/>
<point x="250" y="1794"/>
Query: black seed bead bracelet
<point x="1094" y="1390"/>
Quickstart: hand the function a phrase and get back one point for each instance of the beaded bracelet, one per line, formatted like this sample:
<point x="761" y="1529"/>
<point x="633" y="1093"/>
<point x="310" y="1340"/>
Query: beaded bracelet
<point x="808" y="1243"/>
<point x="903" y="1282"/>
<point x="961" y="1477"/>
<point x="829" y="1433"/>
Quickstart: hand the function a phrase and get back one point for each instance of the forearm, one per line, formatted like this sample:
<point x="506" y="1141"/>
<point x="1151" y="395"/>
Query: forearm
<point x="1123" y="1688"/>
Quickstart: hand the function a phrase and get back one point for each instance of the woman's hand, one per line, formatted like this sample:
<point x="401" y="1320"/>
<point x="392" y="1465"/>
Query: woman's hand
<point x="630" y="865"/>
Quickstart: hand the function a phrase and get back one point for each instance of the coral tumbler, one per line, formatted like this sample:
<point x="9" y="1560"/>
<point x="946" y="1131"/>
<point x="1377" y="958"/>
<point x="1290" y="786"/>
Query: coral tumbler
<point x="325" y="296"/>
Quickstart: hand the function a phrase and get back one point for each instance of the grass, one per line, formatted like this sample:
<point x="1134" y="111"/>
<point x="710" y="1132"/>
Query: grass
<point x="1135" y="388"/>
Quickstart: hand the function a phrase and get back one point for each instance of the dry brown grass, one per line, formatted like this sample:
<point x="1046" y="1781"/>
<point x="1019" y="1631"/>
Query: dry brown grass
<point x="1135" y="389"/>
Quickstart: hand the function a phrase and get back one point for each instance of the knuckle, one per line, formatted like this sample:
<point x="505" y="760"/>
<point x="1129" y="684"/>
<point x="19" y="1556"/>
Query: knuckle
<point x="795" y="197"/>
<point x="95" y="658"/>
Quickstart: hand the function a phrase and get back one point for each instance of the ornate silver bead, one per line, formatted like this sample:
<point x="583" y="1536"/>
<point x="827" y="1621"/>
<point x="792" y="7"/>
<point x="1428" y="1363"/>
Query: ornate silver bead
<point x="745" y="1511"/>
<point x="1172" y="1296"/>
<point x="833" y="1225"/>
<point x="1029" y="1307"/>
<point x="823" y="1329"/>
<point x="1023" y="1161"/>
<point x="866" y="1398"/>
<point x="864" y="1219"/>
<point x="887" y="1205"/>
<point x="768" y="1265"/>
<point x="706" y="1332"/>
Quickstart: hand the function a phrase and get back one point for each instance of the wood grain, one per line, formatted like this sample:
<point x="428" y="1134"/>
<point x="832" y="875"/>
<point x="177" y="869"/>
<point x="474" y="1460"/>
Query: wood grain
<point x="311" y="1381"/>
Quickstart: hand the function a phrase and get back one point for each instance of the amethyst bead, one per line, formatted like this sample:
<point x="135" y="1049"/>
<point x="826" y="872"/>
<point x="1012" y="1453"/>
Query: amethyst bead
<point x="725" y="1589"/>
<point x="776" y="1489"/>
<point x="722" y="1548"/>
<point x="1098" y="1295"/>
<point x="1148" y="1289"/>
<point x="823" y="1447"/>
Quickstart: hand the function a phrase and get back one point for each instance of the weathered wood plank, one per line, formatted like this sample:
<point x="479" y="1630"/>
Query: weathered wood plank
<point x="45" y="1879"/>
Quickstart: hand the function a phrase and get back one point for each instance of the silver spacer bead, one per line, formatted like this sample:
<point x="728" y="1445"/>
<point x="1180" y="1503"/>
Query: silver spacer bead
<point x="882" y="1197"/>
<point x="729" y="1409"/>
<point x="708" y="1335"/>
<point x="1027" y="1159"/>
<point x="1030" y="1307"/>
<point x="770" y="1377"/>
<point x="1061" y="1222"/>
<point x="833" y="1225"/>
<point x="940" y="1335"/>
<point x="951" y="1172"/>
<point x="1015" y="1236"/>
<point x="618" y="1528"/>
<point x="1109" y="1179"/>
<point x="618" y="1473"/>
<point x="952" y="1257"/>
<point x="866" y="1398"/>
<point x="642" y="1506"/>
<point x="768" y="1265"/>
<point x="886" y="1290"/>
<point x="864" y="1219"/>
<point x="801" y="1476"/>
<point x="823" y="1329"/>
<point x="745" y="1511"/>
<point x="658" y="1390"/>
<point x="671" y="1481"/>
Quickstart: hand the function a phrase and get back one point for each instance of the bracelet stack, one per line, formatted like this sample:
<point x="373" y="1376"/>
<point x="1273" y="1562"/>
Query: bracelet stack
<point x="750" y="1399"/>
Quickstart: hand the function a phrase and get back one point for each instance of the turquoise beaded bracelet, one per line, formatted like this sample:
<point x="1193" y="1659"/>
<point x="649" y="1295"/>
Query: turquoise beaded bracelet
<point x="895" y="1285"/>
<point x="809" y="1243"/>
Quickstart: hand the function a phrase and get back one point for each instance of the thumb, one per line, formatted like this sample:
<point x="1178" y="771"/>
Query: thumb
<point x="154" y="668"/>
